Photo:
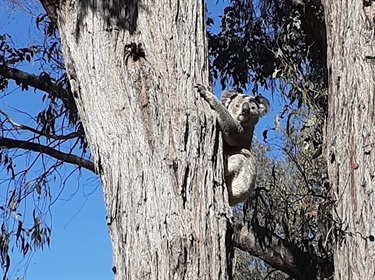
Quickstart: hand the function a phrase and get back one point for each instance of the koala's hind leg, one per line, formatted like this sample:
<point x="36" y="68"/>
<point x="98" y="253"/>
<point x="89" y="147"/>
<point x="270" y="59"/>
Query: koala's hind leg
<point x="240" y="176"/>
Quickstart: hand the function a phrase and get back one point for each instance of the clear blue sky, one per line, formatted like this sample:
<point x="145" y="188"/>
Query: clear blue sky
<point x="80" y="246"/>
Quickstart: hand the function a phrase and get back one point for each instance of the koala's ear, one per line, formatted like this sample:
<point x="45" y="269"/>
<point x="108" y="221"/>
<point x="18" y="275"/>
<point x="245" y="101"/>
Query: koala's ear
<point x="264" y="105"/>
<point x="227" y="97"/>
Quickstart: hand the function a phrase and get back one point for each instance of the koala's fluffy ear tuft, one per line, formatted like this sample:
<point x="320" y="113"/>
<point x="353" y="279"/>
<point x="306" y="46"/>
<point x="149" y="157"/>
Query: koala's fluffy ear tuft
<point x="227" y="96"/>
<point x="264" y="105"/>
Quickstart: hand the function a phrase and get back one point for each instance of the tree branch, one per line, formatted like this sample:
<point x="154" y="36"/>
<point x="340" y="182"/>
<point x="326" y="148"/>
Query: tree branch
<point x="41" y="82"/>
<point x="282" y="255"/>
<point x="50" y="9"/>
<point x="25" y="78"/>
<point x="69" y="158"/>
<point x="41" y="133"/>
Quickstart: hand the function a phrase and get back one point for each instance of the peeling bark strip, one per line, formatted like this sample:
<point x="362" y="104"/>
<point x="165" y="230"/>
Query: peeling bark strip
<point x="350" y="133"/>
<point x="159" y="154"/>
<point x="143" y="80"/>
<point x="144" y="86"/>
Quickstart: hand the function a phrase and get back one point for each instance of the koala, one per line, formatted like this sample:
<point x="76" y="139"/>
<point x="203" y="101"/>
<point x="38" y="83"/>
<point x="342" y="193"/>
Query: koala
<point x="237" y="116"/>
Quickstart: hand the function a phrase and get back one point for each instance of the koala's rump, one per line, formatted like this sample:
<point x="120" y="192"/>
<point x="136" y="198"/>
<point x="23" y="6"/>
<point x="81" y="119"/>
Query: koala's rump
<point x="240" y="176"/>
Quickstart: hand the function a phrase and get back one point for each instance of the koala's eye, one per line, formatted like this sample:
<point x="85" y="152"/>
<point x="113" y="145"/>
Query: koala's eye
<point x="237" y="105"/>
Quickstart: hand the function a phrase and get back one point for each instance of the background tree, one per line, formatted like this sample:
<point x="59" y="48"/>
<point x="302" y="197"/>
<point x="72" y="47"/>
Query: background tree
<point x="350" y="136"/>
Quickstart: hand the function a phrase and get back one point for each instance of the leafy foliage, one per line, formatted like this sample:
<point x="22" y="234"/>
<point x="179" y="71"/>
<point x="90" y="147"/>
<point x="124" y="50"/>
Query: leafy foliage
<point x="280" y="47"/>
<point x="273" y="44"/>
<point x="293" y="198"/>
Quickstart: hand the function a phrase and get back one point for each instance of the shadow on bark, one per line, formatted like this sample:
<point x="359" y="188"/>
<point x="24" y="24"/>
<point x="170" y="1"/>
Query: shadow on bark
<point x="119" y="14"/>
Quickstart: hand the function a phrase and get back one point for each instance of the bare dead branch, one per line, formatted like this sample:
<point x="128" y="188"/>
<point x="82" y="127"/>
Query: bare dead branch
<point x="65" y="157"/>
<point x="280" y="254"/>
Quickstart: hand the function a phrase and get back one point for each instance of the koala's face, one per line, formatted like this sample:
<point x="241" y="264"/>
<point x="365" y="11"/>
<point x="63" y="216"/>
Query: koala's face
<point x="244" y="108"/>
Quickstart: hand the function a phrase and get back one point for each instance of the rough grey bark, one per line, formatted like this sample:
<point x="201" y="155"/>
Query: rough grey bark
<point x="132" y="67"/>
<point x="351" y="134"/>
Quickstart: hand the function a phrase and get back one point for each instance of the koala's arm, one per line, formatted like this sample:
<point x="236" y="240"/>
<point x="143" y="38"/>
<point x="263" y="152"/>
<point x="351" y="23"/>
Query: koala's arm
<point x="227" y="124"/>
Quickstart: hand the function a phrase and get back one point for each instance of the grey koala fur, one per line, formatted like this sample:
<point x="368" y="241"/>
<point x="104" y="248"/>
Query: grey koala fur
<point x="237" y="116"/>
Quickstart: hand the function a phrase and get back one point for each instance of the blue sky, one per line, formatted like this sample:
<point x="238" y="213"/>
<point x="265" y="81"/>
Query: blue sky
<point x="80" y="246"/>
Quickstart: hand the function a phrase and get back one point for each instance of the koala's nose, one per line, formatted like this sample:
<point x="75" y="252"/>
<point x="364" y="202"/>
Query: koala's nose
<point x="246" y="108"/>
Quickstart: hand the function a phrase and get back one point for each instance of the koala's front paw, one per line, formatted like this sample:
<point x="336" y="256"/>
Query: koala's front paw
<point x="205" y="92"/>
<point x="201" y="89"/>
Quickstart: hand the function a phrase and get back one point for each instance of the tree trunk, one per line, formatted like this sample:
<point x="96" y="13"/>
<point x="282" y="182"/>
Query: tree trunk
<point x="351" y="134"/>
<point x="132" y="67"/>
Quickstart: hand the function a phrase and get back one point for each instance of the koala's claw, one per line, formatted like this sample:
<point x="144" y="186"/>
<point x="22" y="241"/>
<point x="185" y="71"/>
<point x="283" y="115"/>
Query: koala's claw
<point x="206" y="93"/>
<point x="201" y="88"/>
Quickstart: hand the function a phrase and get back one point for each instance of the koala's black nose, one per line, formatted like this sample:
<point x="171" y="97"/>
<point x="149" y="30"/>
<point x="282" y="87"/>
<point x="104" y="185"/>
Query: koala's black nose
<point x="246" y="108"/>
